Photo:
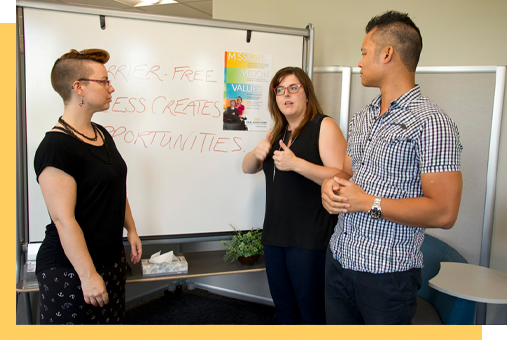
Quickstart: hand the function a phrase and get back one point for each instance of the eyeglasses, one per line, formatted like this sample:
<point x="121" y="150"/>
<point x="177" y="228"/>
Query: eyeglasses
<point x="280" y="90"/>
<point x="103" y="82"/>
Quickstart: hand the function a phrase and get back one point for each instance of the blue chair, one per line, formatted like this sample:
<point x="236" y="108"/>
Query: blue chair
<point x="435" y="307"/>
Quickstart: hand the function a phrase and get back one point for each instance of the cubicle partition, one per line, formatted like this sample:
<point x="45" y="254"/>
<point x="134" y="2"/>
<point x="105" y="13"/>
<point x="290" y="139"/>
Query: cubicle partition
<point x="473" y="97"/>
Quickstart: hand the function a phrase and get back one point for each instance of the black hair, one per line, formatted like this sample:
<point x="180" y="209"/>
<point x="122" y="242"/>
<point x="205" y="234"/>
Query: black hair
<point x="397" y="29"/>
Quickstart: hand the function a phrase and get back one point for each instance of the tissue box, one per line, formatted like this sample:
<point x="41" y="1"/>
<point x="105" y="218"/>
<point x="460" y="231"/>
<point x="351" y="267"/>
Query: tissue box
<point x="178" y="266"/>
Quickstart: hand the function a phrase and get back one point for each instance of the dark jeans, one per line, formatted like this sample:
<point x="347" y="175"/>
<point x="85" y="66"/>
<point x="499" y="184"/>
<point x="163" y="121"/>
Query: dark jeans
<point x="357" y="298"/>
<point x="296" y="283"/>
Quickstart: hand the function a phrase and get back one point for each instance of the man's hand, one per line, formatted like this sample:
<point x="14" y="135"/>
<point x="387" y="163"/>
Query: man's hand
<point x="355" y="197"/>
<point x="332" y="199"/>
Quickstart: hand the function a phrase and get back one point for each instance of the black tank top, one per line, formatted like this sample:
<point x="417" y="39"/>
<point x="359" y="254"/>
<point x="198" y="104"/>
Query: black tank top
<point x="295" y="216"/>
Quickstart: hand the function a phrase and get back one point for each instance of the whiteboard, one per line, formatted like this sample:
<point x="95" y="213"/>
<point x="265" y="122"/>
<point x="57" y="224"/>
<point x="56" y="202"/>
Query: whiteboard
<point x="184" y="170"/>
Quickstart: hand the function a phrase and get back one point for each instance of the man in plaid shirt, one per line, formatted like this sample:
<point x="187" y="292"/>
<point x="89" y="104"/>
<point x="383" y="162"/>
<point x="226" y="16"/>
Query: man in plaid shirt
<point x="401" y="175"/>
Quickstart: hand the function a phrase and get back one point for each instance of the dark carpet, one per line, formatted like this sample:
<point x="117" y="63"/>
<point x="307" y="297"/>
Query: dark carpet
<point x="197" y="307"/>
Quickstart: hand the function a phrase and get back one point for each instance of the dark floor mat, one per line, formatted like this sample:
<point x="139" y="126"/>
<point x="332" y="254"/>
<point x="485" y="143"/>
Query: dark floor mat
<point x="197" y="307"/>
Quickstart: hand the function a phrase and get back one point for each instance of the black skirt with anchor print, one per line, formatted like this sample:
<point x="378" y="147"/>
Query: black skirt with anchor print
<point x="62" y="301"/>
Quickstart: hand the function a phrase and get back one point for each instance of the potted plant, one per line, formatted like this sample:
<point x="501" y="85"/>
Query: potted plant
<point x="245" y="247"/>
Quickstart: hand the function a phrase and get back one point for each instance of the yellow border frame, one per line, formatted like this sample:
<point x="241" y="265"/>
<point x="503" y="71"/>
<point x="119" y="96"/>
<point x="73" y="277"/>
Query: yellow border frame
<point x="8" y="315"/>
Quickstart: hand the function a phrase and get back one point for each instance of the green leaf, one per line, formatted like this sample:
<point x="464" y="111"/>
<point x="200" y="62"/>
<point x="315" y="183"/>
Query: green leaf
<point x="243" y="244"/>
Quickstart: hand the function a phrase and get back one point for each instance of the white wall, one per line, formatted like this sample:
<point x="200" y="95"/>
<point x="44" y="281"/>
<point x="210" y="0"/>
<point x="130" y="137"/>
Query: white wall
<point x="455" y="33"/>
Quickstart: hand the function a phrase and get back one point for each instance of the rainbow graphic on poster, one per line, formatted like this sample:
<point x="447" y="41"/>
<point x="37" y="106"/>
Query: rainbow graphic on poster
<point x="246" y="88"/>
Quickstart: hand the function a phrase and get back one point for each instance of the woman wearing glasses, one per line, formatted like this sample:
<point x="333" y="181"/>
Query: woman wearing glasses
<point x="303" y="148"/>
<point x="81" y="266"/>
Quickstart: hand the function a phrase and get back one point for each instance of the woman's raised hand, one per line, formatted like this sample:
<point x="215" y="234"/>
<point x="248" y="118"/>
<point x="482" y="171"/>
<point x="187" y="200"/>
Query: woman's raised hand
<point x="262" y="150"/>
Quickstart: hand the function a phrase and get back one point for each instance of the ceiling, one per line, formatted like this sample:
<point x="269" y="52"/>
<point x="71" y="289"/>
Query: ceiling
<point x="184" y="8"/>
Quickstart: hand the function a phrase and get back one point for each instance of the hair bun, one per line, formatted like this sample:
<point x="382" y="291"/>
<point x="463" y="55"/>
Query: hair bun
<point x="95" y="54"/>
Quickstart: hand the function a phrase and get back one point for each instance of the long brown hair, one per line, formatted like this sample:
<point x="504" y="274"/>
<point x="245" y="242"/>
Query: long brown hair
<point x="279" y="120"/>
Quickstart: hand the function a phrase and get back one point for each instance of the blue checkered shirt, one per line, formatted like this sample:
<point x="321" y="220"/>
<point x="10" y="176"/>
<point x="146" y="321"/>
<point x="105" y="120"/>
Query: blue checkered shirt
<point x="389" y="154"/>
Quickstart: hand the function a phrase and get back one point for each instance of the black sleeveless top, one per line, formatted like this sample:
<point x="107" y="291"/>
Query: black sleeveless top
<point x="295" y="216"/>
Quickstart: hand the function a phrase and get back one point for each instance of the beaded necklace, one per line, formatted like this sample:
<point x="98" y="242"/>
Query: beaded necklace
<point x="70" y="131"/>
<point x="69" y="127"/>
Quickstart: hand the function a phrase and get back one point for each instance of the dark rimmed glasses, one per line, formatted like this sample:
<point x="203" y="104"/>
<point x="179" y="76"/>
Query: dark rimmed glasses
<point x="102" y="81"/>
<point x="280" y="90"/>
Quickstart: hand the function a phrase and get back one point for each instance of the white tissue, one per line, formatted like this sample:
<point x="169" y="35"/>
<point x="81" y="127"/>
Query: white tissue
<point x="157" y="258"/>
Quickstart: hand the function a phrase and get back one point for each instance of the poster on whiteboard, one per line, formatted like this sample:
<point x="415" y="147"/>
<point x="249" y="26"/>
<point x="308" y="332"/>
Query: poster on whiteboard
<point x="246" y="87"/>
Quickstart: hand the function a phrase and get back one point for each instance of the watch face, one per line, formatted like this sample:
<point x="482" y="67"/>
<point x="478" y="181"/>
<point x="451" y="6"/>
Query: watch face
<point x="375" y="213"/>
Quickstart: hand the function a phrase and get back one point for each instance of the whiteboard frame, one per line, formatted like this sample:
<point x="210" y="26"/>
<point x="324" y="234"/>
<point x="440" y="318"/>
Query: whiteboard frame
<point x="21" y="148"/>
<point x="304" y="32"/>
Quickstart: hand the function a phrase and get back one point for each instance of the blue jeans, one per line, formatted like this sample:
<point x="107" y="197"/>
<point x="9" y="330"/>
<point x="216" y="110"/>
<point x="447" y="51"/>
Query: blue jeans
<point x="296" y="283"/>
<point x="358" y="298"/>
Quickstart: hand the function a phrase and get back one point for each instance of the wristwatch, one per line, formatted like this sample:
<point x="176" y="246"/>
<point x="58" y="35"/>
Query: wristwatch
<point x="376" y="210"/>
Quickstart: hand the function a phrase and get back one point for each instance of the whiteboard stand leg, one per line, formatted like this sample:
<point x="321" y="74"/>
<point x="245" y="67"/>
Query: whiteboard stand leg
<point x="480" y="314"/>
<point x="28" y="308"/>
<point x="171" y="287"/>
<point x="177" y="286"/>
